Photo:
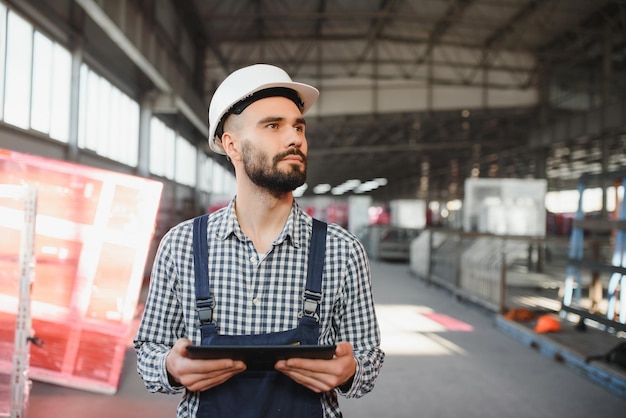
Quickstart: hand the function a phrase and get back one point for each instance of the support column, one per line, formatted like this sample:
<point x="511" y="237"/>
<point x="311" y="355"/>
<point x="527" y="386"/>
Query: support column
<point x="72" y="141"/>
<point x="607" y="74"/>
<point x="143" y="156"/>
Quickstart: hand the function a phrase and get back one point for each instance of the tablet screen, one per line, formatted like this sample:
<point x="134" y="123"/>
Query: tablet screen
<point x="260" y="357"/>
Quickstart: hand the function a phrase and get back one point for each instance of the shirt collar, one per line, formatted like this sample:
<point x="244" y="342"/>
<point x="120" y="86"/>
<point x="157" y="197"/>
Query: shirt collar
<point x="294" y="230"/>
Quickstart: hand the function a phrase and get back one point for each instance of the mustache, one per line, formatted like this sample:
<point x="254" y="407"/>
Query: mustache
<point x="291" y="151"/>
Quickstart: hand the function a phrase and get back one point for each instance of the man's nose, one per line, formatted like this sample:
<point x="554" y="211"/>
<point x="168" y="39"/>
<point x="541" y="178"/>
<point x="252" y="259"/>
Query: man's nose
<point x="294" y="139"/>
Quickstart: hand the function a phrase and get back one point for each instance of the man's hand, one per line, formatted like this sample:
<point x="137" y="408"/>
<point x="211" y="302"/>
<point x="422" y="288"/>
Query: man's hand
<point x="198" y="375"/>
<point x="321" y="375"/>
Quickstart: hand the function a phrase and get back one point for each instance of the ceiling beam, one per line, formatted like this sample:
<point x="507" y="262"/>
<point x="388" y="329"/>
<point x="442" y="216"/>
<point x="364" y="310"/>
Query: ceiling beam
<point x="451" y="15"/>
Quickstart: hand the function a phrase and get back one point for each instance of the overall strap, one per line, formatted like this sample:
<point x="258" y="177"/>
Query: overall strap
<point x="204" y="299"/>
<point x="317" y="252"/>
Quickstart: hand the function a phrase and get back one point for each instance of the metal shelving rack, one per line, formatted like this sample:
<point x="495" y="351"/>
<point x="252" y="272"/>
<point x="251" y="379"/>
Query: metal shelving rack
<point x="20" y="383"/>
<point x="615" y="230"/>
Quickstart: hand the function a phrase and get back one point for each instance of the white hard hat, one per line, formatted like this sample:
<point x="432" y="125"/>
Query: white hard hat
<point x="242" y="84"/>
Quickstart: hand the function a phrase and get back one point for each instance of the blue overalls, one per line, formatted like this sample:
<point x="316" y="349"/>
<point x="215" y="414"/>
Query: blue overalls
<point x="259" y="393"/>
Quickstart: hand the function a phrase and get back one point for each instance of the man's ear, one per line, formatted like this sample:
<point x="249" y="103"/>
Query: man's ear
<point x="231" y="146"/>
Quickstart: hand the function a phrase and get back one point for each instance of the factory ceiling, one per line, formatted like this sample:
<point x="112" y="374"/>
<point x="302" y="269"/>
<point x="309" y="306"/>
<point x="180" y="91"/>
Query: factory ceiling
<point x="423" y="93"/>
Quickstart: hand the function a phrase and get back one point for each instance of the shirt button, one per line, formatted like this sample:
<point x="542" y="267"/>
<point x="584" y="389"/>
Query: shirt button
<point x="253" y="259"/>
<point x="255" y="301"/>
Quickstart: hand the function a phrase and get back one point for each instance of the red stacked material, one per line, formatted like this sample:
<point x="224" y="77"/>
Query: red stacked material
<point x="94" y="229"/>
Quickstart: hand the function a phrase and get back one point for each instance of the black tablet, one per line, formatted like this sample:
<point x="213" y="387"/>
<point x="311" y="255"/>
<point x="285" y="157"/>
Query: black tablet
<point x="260" y="357"/>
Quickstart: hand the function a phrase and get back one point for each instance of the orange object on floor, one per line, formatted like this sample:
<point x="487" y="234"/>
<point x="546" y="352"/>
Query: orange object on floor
<point x="547" y="323"/>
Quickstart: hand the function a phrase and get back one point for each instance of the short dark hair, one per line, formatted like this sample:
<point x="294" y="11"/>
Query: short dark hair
<point x="241" y="105"/>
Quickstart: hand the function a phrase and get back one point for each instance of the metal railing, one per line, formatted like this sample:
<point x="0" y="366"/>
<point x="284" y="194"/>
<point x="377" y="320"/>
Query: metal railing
<point x="485" y="268"/>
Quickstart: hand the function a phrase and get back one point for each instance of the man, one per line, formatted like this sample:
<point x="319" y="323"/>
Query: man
<point x="239" y="276"/>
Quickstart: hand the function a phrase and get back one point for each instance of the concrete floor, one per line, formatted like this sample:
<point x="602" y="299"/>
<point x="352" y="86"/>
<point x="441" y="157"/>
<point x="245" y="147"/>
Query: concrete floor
<point x="445" y="359"/>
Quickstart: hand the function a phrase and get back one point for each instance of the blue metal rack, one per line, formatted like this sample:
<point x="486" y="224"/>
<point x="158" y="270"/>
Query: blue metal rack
<point x="616" y="291"/>
<point x="617" y="279"/>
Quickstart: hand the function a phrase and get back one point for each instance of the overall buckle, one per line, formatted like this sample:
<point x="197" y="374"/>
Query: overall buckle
<point x="312" y="303"/>
<point x="205" y="310"/>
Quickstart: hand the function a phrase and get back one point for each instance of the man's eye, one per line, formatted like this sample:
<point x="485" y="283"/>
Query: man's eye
<point x="272" y="125"/>
<point x="299" y="128"/>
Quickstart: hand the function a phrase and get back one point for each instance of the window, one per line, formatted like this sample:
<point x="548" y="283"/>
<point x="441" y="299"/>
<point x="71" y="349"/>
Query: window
<point x="36" y="93"/>
<point x="205" y="169"/>
<point x="37" y="79"/>
<point x="223" y="181"/>
<point x="61" y="92"/>
<point x="42" y="80"/>
<point x="162" y="149"/>
<point x="18" y="71"/>
<point x="186" y="155"/>
<point x="3" y="48"/>
<point x="108" y="119"/>
<point x="52" y="71"/>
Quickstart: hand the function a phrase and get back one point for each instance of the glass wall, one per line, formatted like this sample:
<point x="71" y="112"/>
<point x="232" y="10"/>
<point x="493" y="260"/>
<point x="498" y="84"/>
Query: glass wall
<point x="36" y="76"/>
<point x="186" y="156"/>
<point x="213" y="178"/>
<point x="108" y="120"/>
<point x="36" y="92"/>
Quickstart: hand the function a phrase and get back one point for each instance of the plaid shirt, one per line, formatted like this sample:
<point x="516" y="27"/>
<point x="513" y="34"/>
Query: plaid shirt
<point x="258" y="293"/>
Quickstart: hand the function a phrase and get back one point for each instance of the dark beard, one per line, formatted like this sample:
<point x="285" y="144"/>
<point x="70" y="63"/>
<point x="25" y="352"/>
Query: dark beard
<point x="272" y="179"/>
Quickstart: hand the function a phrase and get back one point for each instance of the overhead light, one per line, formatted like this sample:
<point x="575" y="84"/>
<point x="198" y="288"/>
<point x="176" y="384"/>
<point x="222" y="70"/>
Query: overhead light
<point x="351" y="184"/>
<point x="321" y="188"/>
<point x="300" y="190"/>
<point x="368" y="186"/>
